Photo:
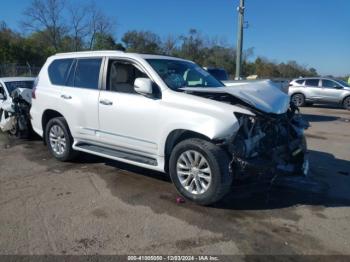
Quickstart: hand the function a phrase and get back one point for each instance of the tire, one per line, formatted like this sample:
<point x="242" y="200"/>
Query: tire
<point x="298" y="99"/>
<point x="346" y="103"/>
<point x="57" y="129"/>
<point x="216" y="159"/>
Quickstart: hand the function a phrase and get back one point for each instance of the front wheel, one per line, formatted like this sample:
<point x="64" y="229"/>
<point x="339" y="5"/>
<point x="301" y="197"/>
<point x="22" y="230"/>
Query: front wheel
<point x="346" y="103"/>
<point x="200" y="171"/>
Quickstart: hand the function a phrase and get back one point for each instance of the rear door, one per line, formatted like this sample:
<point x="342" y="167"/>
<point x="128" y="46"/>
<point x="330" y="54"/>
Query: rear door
<point x="79" y="97"/>
<point x="331" y="91"/>
<point x="312" y="89"/>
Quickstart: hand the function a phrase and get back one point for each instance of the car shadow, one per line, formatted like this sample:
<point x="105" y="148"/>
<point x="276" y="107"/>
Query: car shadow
<point x="319" y="118"/>
<point x="327" y="106"/>
<point x="327" y="185"/>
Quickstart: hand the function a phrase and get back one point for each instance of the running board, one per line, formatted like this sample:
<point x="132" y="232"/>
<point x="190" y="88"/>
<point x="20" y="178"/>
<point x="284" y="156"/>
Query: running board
<point x="108" y="152"/>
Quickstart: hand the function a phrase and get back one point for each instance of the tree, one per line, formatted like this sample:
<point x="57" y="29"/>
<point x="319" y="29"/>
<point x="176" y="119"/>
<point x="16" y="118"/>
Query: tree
<point x="46" y="16"/>
<point x="79" y="25"/>
<point x="142" y="42"/>
<point x="99" y="23"/>
<point x="192" y="46"/>
<point x="170" y="45"/>
<point x="104" y="42"/>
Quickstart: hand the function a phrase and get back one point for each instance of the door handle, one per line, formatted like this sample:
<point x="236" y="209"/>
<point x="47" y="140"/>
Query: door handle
<point x="106" y="102"/>
<point x="66" y="97"/>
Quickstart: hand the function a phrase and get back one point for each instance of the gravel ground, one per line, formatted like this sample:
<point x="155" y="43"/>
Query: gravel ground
<point x="98" y="206"/>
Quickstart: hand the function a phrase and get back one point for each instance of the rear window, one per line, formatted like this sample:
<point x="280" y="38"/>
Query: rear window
<point x="58" y="71"/>
<point x="87" y="73"/>
<point x="312" y="82"/>
<point x="13" y="85"/>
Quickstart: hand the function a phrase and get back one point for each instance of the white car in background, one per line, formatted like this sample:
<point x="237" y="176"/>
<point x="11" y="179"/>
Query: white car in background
<point x="166" y="114"/>
<point x="309" y="90"/>
<point x="15" y="100"/>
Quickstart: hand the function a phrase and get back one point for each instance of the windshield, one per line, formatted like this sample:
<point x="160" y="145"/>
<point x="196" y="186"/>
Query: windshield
<point x="343" y="83"/>
<point x="11" y="86"/>
<point x="177" y="74"/>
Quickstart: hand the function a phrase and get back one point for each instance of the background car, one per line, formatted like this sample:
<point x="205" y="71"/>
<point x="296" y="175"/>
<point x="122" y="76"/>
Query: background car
<point x="219" y="73"/>
<point x="15" y="100"/>
<point x="10" y="84"/>
<point x="305" y="91"/>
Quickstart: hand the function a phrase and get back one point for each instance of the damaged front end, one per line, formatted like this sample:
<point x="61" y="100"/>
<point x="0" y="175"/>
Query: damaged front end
<point x="269" y="144"/>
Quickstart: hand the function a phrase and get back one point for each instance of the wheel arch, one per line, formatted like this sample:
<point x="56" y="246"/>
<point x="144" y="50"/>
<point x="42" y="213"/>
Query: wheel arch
<point x="177" y="136"/>
<point x="345" y="97"/>
<point x="46" y="117"/>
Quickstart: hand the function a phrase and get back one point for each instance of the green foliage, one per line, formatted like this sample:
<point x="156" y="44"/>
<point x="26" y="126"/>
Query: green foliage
<point x="142" y="42"/>
<point x="36" y="47"/>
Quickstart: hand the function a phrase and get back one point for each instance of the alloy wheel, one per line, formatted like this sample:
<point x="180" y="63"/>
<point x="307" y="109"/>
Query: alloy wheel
<point x="57" y="140"/>
<point x="194" y="172"/>
<point x="298" y="100"/>
<point x="347" y="103"/>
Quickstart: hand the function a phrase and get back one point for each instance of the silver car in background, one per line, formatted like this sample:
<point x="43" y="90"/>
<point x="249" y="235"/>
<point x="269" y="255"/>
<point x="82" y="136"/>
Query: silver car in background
<point x="304" y="91"/>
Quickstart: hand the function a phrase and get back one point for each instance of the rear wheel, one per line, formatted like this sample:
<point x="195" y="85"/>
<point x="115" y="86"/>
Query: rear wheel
<point x="200" y="171"/>
<point x="346" y="103"/>
<point x="298" y="100"/>
<point x="59" y="139"/>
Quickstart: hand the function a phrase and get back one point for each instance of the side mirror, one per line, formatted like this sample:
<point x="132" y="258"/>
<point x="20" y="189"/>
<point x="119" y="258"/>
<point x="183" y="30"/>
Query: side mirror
<point x="2" y="97"/>
<point x="143" y="86"/>
<point x="339" y="87"/>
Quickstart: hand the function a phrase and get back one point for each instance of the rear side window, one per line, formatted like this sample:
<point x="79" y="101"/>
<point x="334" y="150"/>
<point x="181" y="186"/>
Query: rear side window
<point x="300" y="82"/>
<point x="58" y="71"/>
<point x="87" y="73"/>
<point x="312" y="82"/>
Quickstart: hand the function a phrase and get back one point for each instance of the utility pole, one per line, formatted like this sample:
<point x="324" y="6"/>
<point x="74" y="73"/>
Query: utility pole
<point x="239" y="50"/>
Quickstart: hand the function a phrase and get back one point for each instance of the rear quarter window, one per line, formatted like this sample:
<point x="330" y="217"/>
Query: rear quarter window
<point x="87" y="73"/>
<point x="58" y="71"/>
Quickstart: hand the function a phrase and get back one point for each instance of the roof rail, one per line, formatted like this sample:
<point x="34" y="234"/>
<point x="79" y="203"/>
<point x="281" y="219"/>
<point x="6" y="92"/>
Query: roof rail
<point x="89" y="52"/>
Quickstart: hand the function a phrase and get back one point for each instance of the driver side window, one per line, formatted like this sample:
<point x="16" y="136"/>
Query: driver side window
<point x="121" y="76"/>
<point x="329" y="84"/>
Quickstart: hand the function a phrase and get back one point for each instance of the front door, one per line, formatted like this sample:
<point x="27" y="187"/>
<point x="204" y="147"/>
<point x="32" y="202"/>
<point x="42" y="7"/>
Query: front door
<point x="331" y="91"/>
<point x="127" y="119"/>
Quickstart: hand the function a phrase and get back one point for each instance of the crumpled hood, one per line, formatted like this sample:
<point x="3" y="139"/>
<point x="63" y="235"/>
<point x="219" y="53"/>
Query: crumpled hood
<point x="262" y="95"/>
<point x="24" y="93"/>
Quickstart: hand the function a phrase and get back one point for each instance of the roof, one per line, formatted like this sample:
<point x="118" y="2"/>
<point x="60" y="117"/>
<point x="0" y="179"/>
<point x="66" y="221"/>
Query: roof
<point x="11" y="79"/>
<point x="315" y="77"/>
<point x="113" y="53"/>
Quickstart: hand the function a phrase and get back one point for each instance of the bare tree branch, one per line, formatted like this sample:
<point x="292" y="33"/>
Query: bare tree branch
<point x="99" y="23"/>
<point x="46" y="15"/>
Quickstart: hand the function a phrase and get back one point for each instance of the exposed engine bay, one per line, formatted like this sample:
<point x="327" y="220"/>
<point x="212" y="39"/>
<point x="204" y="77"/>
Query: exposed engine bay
<point x="14" y="113"/>
<point x="267" y="142"/>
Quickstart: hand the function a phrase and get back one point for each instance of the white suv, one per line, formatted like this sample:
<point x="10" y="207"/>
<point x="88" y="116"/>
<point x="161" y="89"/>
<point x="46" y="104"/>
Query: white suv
<point x="169" y="115"/>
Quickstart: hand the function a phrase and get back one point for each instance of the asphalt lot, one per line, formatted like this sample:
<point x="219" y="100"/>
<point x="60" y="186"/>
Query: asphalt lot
<point x="97" y="206"/>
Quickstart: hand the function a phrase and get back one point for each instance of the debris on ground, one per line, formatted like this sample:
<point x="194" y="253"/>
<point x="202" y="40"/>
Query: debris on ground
<point x="180" y="200"/>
